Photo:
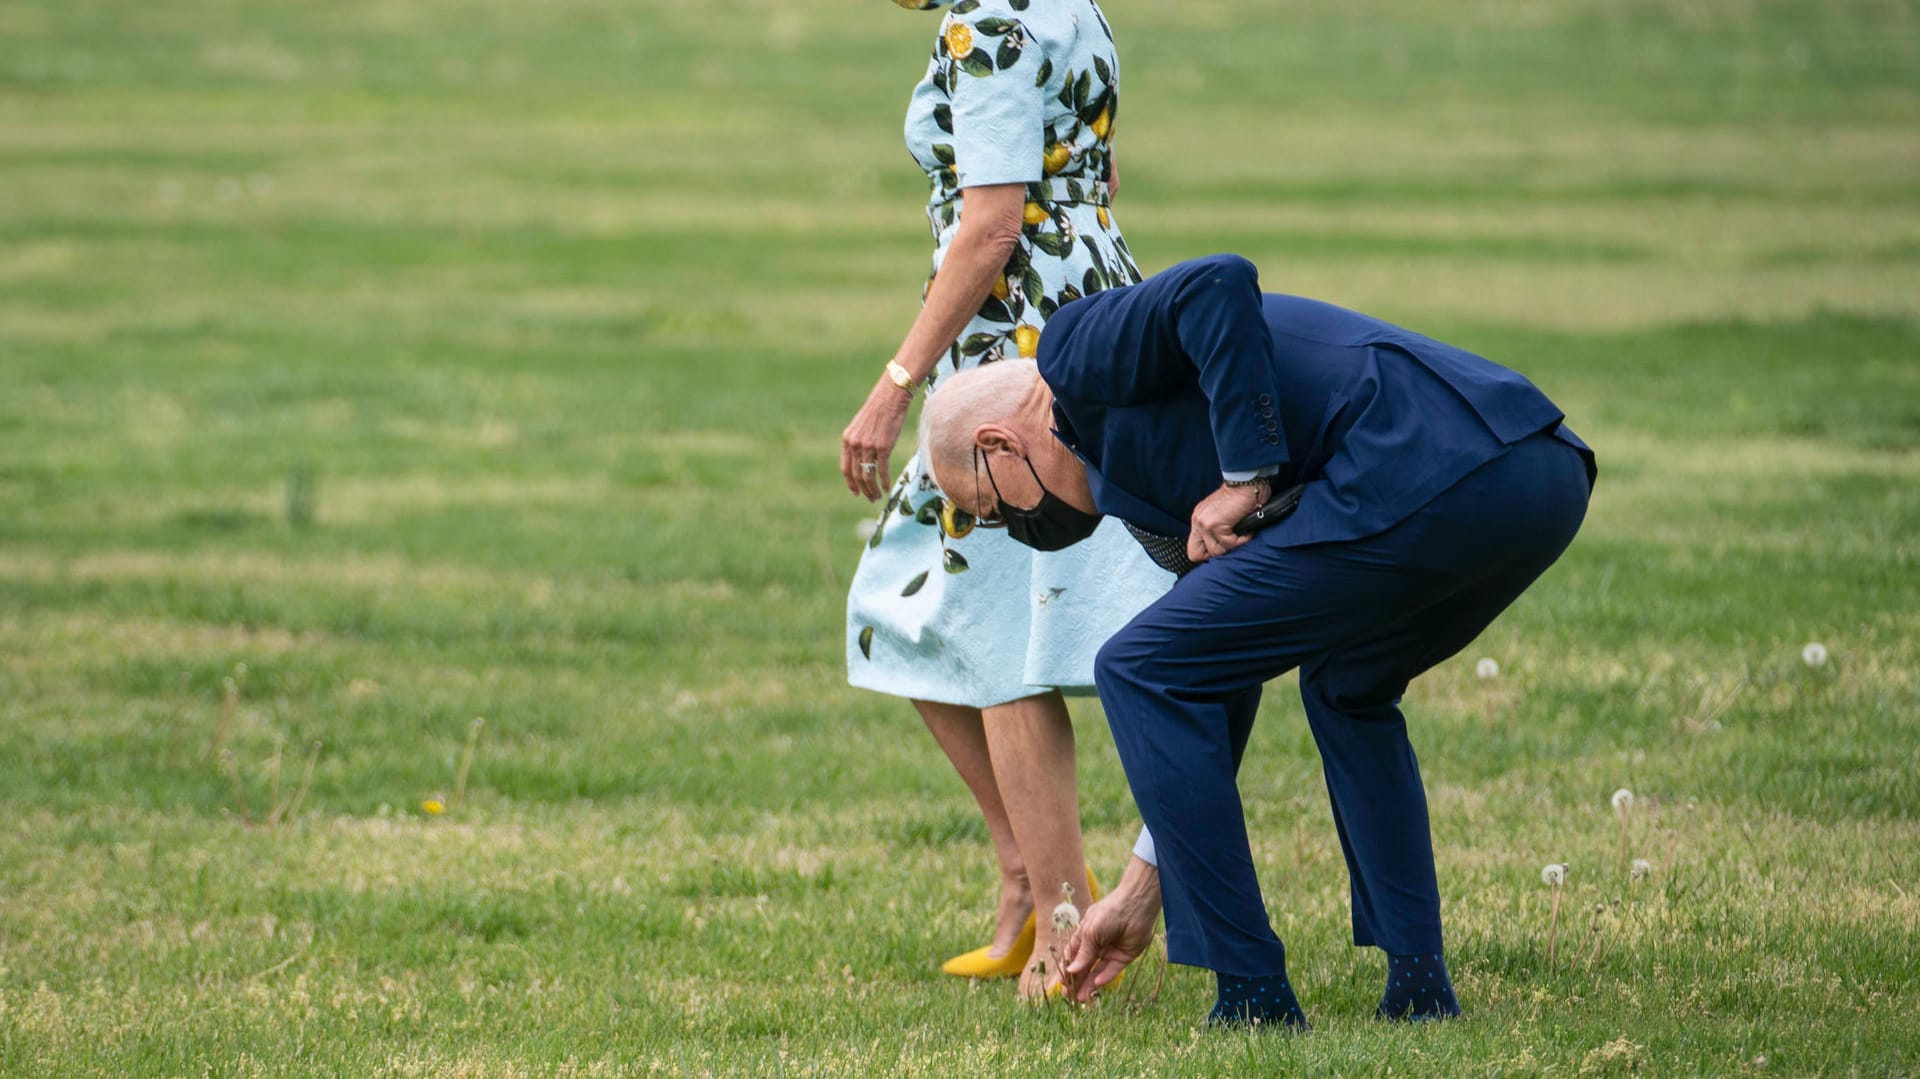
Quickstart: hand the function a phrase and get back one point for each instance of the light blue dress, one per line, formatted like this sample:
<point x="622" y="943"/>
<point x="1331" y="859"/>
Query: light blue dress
<point x="1017" y="91"/>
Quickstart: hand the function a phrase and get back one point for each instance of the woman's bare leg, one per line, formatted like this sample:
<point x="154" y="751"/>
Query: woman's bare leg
<point x="962" y="736"/>
<point x="1031" y="743"/>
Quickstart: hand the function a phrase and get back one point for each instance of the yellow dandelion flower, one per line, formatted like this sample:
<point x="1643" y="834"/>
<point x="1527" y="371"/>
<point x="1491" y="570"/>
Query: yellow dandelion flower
<point x="959" y="40"/>
<point x="433" y="807"/>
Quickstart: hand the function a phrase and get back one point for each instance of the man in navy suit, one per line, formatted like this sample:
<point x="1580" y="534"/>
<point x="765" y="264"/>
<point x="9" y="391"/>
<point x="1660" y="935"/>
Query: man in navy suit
<point x="1437" y="486"/>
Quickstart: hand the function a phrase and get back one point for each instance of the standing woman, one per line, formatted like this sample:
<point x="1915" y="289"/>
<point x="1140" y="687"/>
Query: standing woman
<point x="1013" y="126"/>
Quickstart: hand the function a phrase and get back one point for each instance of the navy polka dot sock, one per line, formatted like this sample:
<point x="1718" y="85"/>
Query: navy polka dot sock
<point x="1418" y="989"/>
<point x="1263" y="1001"/>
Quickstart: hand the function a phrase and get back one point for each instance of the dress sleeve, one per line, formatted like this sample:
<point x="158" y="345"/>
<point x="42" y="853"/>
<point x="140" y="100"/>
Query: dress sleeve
<point x="999" y="114"/>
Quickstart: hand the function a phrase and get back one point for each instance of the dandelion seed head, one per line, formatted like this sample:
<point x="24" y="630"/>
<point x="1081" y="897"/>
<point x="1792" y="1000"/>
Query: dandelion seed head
<point x="1814" y="654"/>
<point x="1487" y="668"/>
<point x="1554" y="875"/>
<point x="1641" y="868"/>
<point x="1622" y="800"/>
<point x="1066" y="918"/>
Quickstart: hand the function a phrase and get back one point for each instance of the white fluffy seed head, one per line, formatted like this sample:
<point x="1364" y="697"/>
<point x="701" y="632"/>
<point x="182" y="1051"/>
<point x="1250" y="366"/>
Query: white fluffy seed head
<point x="1641" y="868"/>
<point x="1066" y="918"/>
<point x="1553" y="875"/>
<point x="1622" y="800"/>
<point x="1487" y="668"/>
<point x="1814" y="654"/>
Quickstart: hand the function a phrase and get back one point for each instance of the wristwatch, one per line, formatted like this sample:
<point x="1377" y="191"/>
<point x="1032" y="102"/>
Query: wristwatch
<point x="1252" y="481"/>
<point x="900" y="377"/>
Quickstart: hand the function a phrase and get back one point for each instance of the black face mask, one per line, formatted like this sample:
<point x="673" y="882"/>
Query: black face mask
<point x="1050" y="526"/>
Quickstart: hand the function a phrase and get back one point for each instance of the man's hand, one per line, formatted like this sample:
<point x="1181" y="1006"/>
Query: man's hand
<point x="1113" y="932"/>
<point x="1214" y="518"/>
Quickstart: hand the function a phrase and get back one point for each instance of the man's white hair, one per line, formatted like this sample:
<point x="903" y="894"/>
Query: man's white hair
<point x="989" y="393"/>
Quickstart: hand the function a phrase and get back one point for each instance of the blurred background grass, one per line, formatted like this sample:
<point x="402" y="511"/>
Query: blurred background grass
<point x="435" y="359"/>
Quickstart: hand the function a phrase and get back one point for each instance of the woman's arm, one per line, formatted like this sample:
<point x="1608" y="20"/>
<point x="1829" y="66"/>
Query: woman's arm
<point x="990" y="222"/>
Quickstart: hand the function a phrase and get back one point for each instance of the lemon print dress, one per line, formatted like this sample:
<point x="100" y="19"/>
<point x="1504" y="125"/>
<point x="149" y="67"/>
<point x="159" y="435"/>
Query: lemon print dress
<point x="1017" y="91"/>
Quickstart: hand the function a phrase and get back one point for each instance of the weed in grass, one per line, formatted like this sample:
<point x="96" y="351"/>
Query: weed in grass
<point x="466" y="761"/>
<point x="1622" y="802"/>
<point x="302" y="496"/>
<point x="230" y="687"/>
<point x="1554" y="875"/>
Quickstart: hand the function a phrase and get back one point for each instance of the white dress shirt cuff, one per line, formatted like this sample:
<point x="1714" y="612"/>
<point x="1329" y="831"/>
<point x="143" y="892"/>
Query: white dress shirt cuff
<point x="1243" y="475"/>
<point x="1143" y="848"/>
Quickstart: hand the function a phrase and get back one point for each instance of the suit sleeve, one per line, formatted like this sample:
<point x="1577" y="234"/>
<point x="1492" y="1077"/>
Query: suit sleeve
<point x="1220" y="327"/>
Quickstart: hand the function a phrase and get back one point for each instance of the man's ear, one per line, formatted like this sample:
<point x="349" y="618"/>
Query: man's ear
<point x="997" y="439"/>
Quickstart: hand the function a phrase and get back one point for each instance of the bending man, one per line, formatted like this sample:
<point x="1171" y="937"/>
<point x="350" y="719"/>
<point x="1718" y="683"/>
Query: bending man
<point x="1437" y="486"/>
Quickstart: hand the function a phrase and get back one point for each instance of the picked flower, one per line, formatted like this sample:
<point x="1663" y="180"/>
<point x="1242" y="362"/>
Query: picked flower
<point x="1814" y="654"/>
<point x="1066" y="916"/>
<point x="1487" y="668"/>
<point x="1553" y="875"/>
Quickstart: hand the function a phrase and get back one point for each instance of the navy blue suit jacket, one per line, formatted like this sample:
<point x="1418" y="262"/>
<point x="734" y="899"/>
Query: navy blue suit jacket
<point x="1160" y="387"/>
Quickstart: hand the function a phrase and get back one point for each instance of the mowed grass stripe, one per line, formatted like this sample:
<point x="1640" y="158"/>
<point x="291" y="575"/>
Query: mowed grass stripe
<point x="552" y="314"/>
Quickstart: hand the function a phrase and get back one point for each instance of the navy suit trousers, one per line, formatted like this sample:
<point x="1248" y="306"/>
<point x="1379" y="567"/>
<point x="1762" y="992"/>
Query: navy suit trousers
<point x="1360" y="619"/>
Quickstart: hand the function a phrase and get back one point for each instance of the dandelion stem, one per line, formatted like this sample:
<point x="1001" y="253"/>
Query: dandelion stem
<point x="273" y="781"/>
<point x="1593" y="936"/>
<point x="1160" y="980"/>
<point x="232" y="768"/>
<point x="466" y="761"/>
<point x="229" y="711"/>
<point x="1553" y="928"/>
<point x="292" y="808"/>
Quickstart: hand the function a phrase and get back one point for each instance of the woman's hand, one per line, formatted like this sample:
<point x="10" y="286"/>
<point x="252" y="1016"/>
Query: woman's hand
<point x="1113" y="174"/>
<point x="868" y="441"/>
<point x="989" y="228"/>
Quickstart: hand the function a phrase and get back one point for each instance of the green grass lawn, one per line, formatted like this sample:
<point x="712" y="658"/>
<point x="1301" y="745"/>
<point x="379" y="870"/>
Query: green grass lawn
<point x="406" y="362"/>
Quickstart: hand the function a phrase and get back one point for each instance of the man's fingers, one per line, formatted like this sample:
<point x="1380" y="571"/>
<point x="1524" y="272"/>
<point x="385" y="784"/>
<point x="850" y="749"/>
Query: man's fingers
<point x="1195" y="552"/>
<point x="1108" y="971"/>
<point x="1079" y="955"/>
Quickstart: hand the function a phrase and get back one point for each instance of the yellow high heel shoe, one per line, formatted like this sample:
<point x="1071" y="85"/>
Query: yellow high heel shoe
<point x="980" y="963"/>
